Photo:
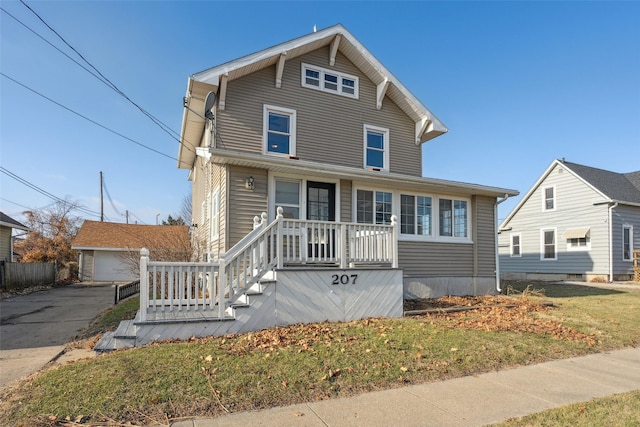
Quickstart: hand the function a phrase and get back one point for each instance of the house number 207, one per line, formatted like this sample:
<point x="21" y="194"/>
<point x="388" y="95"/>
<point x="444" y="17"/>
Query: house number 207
<point x="343" y="279"/>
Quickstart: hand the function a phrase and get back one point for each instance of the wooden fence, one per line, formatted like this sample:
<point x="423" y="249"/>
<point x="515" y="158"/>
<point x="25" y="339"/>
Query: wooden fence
<point x="18" y="275"/>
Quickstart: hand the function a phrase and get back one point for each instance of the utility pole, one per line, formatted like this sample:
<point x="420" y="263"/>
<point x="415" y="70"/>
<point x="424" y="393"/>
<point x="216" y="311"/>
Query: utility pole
<point x="101" y="200"/>
<point x="126" y="215"/>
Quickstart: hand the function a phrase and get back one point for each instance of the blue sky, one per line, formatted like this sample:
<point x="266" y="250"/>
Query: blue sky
<point x="518" y="84"/>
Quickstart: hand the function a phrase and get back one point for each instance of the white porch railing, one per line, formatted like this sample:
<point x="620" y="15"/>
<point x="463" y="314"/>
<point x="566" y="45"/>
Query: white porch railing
<point x="211" y="287"/>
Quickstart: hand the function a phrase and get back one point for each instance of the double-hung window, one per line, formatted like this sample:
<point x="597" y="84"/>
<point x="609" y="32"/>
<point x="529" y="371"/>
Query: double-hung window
<point x="376" y="148"/>
<point x="454" y="218"/>
<point x="288" y="197"/>
<point x="373" y="207"/>
<point x="627" y="242"/>
<point x="548" y="244"/>
<point x="548" y="198"/>
<point x="516" y="244"/>
<point x="415" y="215"/>
<point x="329" y="81"/>
<point x="279" y="131"/>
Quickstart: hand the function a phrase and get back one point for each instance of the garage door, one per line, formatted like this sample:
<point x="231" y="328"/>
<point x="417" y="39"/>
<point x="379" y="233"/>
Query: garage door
<point x="110" y="268"/>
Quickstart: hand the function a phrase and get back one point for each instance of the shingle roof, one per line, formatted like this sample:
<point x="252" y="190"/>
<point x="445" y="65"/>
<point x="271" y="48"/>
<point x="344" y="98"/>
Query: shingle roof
<point x="111" y="235"/>
<point x="7" y="221"/>
<point x="622" y="187"/>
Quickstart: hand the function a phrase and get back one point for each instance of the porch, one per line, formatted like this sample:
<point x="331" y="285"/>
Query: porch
<point x="284" y="272"/>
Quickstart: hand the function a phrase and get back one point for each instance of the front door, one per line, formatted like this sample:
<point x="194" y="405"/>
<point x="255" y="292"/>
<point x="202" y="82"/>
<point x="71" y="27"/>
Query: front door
<point x="321" y="206"/>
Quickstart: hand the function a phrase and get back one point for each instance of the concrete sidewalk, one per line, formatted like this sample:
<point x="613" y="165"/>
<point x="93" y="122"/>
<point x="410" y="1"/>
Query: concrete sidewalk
<point x="468" y="401"/>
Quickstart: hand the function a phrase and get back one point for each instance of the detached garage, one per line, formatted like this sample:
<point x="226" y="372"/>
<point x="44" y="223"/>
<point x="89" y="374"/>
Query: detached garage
<point x="109" y="251"/>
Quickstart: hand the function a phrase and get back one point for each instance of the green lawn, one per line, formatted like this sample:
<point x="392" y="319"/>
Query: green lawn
<point x="210" y="377"/>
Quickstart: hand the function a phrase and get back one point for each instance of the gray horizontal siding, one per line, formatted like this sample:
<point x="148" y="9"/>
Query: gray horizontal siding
<point x="485" y="232"/>
<point x="326" y="123"/>
<point x="574" y="209"/>
<point x="345" y="201"/>
<point x="244" y="204"/>
<point x="624" y="215"/>
<point x="430" y="259"/>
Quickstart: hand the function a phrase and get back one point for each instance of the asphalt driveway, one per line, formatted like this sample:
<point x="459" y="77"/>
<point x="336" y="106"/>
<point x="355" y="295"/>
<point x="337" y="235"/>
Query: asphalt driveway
<point x="34" y="328"/>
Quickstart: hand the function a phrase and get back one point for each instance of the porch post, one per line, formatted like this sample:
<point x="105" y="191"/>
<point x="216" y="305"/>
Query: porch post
<point x="222" y="284"/>
<point x="144" y="283"/>
<point x="279" y="236"/>
<point x="394" y="241"/>
<point x="342" y="246"/>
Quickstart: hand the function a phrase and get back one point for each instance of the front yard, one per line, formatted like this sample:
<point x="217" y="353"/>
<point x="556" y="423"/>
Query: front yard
<point x="213" y="376"/>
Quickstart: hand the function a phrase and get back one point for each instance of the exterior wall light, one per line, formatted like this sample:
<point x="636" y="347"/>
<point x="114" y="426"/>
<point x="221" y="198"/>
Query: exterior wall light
<point x="250" y="183"/>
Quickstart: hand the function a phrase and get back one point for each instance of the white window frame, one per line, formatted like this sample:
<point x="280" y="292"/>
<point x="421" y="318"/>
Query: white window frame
<point x="265" y="129"/>
<point x="577" y="248"/>
<point x="302" y="196"/>
<point x="626" y="227"/>
<point x="511" y="245"/>
<point x="435" y="213"/>
<point x="453" y="217"/>
<point x="340" y="89"/>
<point x="385" y="149"/>
<point x="215" y="215"/>
<point x="555" y="244"/>
<point x="544" y="198"/>
<point x="375" y="191"/>
<point x="415" y="215"/>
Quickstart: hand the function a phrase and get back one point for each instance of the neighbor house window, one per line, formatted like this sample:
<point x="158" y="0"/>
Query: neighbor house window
<point x="516" y="242"/>
<point x="373" y="207"/>
<point x="288" y="197"/>
<point x="453" y="216"/>
<point x="415" y="215"/>
<point x="627" y="242"/>
<point x="548" y="198"/>
<point x="279" y="130"/>
<point x="548" y="246"/>
<point x="329" y="81"/>
<point x="376" y="148"/>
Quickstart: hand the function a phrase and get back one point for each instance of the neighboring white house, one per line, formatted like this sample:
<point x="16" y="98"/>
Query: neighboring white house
<point x="576" y="222"/>
<point x="106" y="248"/>
<point x="7" y="225"/>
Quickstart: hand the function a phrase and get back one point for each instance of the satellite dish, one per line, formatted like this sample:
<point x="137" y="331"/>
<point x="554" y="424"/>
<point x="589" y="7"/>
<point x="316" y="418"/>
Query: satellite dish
<point x="209" y="101"/>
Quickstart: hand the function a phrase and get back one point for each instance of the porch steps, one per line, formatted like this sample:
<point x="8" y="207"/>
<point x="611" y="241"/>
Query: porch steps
<point x="132" y="332"/>
<point x="123" y="337"/>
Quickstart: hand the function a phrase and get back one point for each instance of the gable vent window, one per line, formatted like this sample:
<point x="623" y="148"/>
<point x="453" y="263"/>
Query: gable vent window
<point x="329" y="81"/>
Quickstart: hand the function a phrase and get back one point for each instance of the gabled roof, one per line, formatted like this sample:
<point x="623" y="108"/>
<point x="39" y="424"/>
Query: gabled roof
<point x="623" y="188"/>
<point x="428" y="126"/>
<point x="619" y="187"/>
<point x="7" y="221"/>
<point x="112" y="235"/>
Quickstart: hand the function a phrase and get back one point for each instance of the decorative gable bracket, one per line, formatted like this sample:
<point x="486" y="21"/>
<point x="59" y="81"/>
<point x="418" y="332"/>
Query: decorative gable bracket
<point x="381" y="92"/>
<point x="280" y="69"/>
<point x="333" y="51"/>
<point x="422" y="126"/>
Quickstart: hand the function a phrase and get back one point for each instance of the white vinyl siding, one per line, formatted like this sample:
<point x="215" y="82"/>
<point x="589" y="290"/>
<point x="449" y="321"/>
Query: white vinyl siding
<point x="215" y="215"/>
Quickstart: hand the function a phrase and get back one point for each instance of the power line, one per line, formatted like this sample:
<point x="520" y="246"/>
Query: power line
<point x="104" y="185"/>
<point x="46" y="193"/>
<point x="86" y="118"/>
<point x="112" y="85"/>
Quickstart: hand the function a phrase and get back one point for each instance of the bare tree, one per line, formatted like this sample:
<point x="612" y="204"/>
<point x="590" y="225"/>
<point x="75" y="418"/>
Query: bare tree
<point x="166" y="243"/>
<point x="185" y="210"/>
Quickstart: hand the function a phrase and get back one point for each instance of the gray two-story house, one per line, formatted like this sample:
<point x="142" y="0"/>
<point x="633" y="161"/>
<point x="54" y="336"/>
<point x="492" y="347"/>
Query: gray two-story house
<point x="320" y="128"/>
<point x="576" y="222"/>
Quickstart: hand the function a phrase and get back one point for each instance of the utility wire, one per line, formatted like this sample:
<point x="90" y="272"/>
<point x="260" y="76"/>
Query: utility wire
<point x="46" y="193"/>
<point x="155" y="120"/>
<point x="87" y="119"/>
<point x="104" y="185"/>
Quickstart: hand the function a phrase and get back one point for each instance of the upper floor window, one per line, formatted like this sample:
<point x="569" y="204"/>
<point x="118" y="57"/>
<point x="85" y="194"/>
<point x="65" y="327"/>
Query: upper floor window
<point x="453" y="218"/>
<point x="516" y="243"/>
<point x="279" y="131"/>
<point x="627" y="243"/>
<point x="376" y="148"/>
<point x="329" y="81"/>
<point x="548" y="244"/>
<point x="415" y="215"/>
<point x="549" y="198"/>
